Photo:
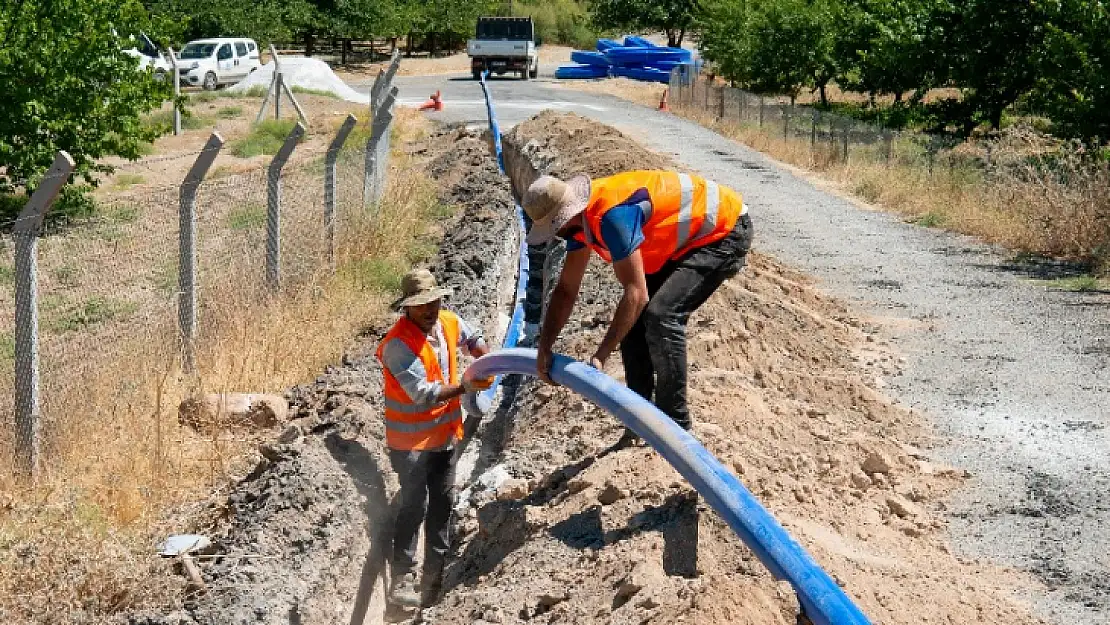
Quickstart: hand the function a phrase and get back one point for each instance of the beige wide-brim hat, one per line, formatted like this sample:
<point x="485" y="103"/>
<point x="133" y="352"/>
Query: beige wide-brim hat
<point x="419" y="287"/>
<point x="550" y="203"/>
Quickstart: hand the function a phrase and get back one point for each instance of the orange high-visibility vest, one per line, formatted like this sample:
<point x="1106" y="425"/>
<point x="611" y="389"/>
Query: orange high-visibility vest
<point x="685" y="212"/>
<point x="408" y="427"/>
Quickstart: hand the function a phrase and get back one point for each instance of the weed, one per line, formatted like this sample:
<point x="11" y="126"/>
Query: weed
<point x="124" y="181"/>
<point x="1077" y="284"/>
<point x="166" y="277"/>
<point x="248" y="217"/>
<point x="7" y="274"/>
<point x="67" y="275"/>
<point x="124" y="214"/>
<point x="319" y="92"/>
<point x="930" y="220"/>
<point x="95" y="310"/>
<point x="7" y="347"/>
<point x="163" y="120"/>
<point x="375" y="274"/>
<point x="229" y="112"/>
<point x="256" y="91"/>
<point x="204" y="97"/>
<point x="266" y="138"/>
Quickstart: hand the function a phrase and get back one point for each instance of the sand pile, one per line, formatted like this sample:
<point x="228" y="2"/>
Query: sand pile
<point x="304" y="73"/>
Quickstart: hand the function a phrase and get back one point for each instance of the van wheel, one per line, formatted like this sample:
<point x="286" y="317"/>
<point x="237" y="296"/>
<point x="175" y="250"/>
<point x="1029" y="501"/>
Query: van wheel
<point x="535" y="73"/>
<point x="477" y="74"/>
<point x="209" y="83"/>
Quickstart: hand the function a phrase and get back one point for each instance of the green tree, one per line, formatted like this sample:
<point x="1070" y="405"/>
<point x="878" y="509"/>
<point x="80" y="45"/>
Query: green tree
<point x="67" y="85"/>
<point x="889" y="47"/>
<point x="773" y="46"/>
<point x="674" y="17"/>
<point x="265" y="21"/>
<point x="994" y="50"/>
<point x="1074" y="88"/>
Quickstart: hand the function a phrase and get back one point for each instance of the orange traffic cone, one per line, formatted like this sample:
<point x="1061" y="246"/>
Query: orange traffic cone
<point x="663" y="102"/>
<point x="434" y="103"/>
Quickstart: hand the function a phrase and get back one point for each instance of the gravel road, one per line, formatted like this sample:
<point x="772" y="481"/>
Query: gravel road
<point x="1013" y="373"/>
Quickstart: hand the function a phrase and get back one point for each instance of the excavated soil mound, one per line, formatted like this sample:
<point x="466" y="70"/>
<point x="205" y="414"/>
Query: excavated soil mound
<point x="785" y="389"/>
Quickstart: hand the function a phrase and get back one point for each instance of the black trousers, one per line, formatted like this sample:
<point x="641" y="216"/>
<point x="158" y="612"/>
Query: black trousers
<point x="427" y="496"/>
<point x="654" y="352"/>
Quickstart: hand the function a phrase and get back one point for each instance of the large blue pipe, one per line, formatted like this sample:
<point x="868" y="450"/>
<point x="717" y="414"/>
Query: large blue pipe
<point x="823" y="602"/>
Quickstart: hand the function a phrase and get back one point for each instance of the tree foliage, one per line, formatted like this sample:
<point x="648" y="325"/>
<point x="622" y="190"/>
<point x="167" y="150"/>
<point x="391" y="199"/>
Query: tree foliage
<point x="673" y="17"/>
<point x="1051" y="56"/>
<point x="68" y="85"/>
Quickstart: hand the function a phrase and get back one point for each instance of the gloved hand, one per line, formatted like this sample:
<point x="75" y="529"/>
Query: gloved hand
<point x="478" y="384"/>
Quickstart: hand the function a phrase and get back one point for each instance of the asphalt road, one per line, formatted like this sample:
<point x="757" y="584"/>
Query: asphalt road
<point x="1013" y="373"/>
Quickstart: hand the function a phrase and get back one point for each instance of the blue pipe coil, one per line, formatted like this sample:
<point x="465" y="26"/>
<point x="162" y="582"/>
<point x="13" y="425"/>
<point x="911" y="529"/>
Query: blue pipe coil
<point x="821" y="598"/>
<point x="633" y="41"/>
<point x="589" y="58"/>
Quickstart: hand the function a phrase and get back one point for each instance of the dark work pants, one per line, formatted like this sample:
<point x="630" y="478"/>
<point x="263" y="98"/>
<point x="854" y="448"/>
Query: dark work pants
<point x="654" y="352"/>
<point x="427" y="496"/>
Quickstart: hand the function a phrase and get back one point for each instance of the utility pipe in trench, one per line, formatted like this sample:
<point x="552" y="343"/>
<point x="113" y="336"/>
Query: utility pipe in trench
<point x="822" y="600"/>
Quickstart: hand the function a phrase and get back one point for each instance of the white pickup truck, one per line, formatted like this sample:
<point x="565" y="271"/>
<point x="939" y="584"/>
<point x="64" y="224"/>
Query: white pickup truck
<point x="504" y="44"/>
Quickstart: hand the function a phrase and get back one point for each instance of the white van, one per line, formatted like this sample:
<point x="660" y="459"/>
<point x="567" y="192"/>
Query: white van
<point x="210" y="63"/>
<point x="148" y="55"/>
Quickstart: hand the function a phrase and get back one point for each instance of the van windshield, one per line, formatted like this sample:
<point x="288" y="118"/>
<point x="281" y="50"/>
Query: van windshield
<point x="197" y="51"/>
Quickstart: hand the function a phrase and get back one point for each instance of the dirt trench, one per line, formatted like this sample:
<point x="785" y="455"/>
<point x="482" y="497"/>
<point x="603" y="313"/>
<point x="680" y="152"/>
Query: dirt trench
<point x="556" y="526"/>
<point x="306" y="526"/>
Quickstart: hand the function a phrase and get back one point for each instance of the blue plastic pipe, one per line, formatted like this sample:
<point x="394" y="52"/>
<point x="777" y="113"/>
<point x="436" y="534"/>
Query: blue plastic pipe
<point x="823" y="602"/>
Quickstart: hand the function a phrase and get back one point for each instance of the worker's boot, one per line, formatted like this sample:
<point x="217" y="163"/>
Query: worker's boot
<point x="403" y="591"/>
<point x="431" y="586"/>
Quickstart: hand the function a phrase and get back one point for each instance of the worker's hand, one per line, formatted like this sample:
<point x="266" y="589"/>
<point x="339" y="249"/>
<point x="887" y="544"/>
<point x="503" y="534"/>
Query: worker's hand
<point x="478" y="384"/>
<point x="544" y="358"/>
<point x="597" y="361"/>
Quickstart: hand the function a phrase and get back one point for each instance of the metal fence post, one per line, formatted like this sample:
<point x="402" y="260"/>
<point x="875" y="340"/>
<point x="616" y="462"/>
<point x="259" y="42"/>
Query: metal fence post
<point x="847" y="137"/>
<point x="785" y="123"/>
<point x="277" y="90"/>
<point x="888" y="140"/>
<point x="28" y="440"/>
<point x="187" y="252"/>
<point x="813" y="132"/>
<point x="721" y="112"/>
<point x="330" y="185"/>
<point x="176" y="93"/>
<point x="762" y="105"/>
<point x="273" y="207"/>
<point x="377" y="150"/>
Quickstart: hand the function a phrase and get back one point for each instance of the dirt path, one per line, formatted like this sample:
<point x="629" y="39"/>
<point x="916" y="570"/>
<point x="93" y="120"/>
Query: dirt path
<point x="1011" y="373"/>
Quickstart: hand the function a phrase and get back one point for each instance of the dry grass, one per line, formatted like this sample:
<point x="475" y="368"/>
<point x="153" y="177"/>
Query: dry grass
<point x="990" y="190"/>
<point x="122" y="473"/>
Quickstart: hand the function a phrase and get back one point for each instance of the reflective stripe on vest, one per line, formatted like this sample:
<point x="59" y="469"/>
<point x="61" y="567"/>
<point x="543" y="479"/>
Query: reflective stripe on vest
<point x="685" y="212"/>
<point x="409" y="426"/>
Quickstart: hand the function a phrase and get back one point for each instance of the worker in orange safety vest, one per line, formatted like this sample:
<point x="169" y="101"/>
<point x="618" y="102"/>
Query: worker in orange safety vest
<point x="672" y="238"/>
<point x="423" y="423"/>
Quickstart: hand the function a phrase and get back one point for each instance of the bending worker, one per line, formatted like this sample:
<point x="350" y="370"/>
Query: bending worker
<point x="672" y="239"/>
<point x="423" y="423"/>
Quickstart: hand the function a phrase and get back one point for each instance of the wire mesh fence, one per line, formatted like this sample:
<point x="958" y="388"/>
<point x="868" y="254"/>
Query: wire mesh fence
<point x="118" y="293"/>
<point x="829" y="137"/>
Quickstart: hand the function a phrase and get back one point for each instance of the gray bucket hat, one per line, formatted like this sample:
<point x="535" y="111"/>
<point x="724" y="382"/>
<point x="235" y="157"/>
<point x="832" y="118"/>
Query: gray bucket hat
<point x="419" y="287"/>
<point x="550" y="203"/>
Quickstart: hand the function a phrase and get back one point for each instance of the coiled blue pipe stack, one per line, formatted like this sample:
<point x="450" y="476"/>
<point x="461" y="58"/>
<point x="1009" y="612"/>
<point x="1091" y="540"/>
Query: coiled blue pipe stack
<point x="635" y="58"/>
